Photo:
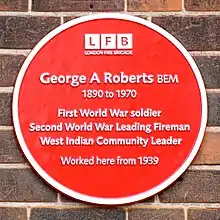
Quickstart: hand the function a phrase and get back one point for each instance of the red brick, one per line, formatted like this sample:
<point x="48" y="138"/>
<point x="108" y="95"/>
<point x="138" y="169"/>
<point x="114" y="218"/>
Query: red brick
<point x="9" y="148"/>
<point x="154" y="5"/>
<point x="13" y="213"/>
<point x="202" y="5"/>
<point x="194" y="187"/>
<point x="24" y="32"/>
<point x="204" y="214"/>
<point x="13" y="5"/>
<point x="209" y="152"/>
<point x="77" y="214"/>
<point x="9" y="68"/>
<point x="156" y="214"/>
<point x="196" y="33"/>
<point x="78" y="5"/>
<point x="22" y="185"/>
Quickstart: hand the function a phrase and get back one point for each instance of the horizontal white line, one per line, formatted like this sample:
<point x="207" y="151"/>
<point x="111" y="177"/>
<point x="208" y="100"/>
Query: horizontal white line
<point x="25" y="165"/>
<point x="205" y="167"/>
<point x="178" y="13"/>
<point x="14" y="52"/>
<point x="31" y="13"/>
<point x="213" y="90"/>
<point x="25" y="52"/>
<point x="14" y="166"/>
<point x="6" y="89"/>
<point x="45" y="14"/>
<point x="213" y="129"/>
<point x="44" y="205"/>
<point x="10" y="90"/>
<point x="174" y="205"/>
<point x="205" y="53"/>
<point x="185" y="13"/>
<point x="82" y="205"/>
<point x="77" y="14"/>
<point x="6" y="128"/>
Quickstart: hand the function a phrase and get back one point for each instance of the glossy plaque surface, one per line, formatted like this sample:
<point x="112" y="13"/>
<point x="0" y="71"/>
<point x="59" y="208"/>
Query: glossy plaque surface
<point x="109" y="109"/>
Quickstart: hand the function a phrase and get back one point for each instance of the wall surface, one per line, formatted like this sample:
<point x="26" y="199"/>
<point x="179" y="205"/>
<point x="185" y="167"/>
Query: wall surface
<point x="196" y="194"/>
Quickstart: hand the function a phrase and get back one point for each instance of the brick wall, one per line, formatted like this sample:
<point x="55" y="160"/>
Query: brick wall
<point x="195" y="196"/>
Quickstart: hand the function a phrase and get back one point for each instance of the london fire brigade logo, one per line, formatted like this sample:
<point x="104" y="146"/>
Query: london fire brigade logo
<point x="108" y="44"/>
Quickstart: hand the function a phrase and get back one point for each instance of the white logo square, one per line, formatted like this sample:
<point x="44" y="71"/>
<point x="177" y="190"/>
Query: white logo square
<point x="108" y="41"/>
<point x="124" y="41"/>
<point x="92" y="41"/>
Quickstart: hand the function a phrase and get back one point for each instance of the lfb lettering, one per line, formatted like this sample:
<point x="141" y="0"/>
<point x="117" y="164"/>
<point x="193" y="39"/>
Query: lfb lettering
<point x="108" y="41"/>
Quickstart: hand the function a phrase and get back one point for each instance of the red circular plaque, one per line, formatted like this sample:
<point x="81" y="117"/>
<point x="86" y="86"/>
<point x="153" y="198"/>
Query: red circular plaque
<point x="109" y="108"/>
